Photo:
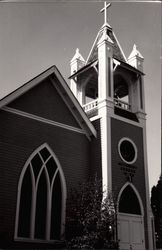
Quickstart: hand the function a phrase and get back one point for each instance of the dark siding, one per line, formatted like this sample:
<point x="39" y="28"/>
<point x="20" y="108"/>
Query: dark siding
<point x="96" y="162"/>
<point x="19" y="137"/>
<point x="44" y="100"/>
<point x="119" y="130"/>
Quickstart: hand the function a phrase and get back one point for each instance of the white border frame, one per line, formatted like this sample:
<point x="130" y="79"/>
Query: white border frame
<point x="134" y="146"/>
<point x="64" y="196"/>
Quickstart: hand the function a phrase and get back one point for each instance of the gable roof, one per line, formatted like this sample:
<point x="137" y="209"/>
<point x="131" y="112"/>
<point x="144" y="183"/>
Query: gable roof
<point x="117" y="50"/>
<point x="61" y="86"/>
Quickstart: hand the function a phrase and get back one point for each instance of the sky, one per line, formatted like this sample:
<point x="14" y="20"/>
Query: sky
<point x="36" y="35"/>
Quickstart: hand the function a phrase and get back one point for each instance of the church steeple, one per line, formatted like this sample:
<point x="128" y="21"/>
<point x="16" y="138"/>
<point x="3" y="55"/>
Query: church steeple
<point x="110" y="89"/>
<point x="117" y="51"/>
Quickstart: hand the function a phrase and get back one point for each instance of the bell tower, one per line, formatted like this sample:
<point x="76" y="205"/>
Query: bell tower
<point x="110" y="88"/>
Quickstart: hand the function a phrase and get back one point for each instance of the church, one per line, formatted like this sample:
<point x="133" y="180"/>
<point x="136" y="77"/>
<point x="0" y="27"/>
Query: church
<point x="54" y="136"/>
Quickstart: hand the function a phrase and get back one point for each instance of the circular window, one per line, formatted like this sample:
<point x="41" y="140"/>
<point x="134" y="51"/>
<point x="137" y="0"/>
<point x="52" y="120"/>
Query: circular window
<point x="127" y="150"/>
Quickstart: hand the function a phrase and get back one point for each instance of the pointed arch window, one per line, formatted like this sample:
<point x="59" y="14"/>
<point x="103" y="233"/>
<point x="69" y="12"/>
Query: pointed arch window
<point x="41" y="198"/>
<point x="129" y="202"/>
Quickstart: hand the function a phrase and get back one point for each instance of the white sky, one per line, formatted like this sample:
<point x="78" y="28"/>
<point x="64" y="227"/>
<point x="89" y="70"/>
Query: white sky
<point x="37" y="35"/>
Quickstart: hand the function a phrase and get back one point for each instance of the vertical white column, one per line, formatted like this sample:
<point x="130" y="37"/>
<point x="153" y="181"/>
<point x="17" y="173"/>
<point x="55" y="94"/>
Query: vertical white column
<point x="105" y="105"/>
<point x="76" y="63"/>
<point x="105" y="73"/>
<point x="137" y="90"/>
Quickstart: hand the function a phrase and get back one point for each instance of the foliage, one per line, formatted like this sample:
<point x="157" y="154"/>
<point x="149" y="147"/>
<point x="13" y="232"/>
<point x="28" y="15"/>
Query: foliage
<point x="91" y="219"/>
<point x="156" y="206"/>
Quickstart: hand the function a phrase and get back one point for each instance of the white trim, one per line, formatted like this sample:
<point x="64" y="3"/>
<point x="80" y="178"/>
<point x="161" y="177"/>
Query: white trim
<point x="41" y="119"/>
<point x="95" y="41"/>
<point x="148" y="207"/>
<point x="38" y="240"/>
<point x="105" y="128"/>
<point x="72" y="110"/>
<point x="136" y="192"/>
<point x="92" y="48"/>
<point x="132" y="215"/>
<point x="120" y="47"/>
<point x="117" y="117"/>
<point x="29" y="85"/>
<point x="134" y="146"/>
<point x="49" y="194"/>
<point x="128" y="121"/>
<point x="76" y="104"/>
<point x="94" y="118"/>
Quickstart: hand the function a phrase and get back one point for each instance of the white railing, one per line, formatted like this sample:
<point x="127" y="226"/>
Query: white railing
<point x="117" y="102"/>
<point x="121" y="104"/>
<point x="90" y="106"/>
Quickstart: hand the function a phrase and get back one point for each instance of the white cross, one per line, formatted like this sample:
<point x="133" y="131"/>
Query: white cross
<point x="106" y="6"/>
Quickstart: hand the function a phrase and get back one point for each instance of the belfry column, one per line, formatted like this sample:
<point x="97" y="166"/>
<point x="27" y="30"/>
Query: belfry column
<point x="138" y="103"/>
<point x="105" y="103"/>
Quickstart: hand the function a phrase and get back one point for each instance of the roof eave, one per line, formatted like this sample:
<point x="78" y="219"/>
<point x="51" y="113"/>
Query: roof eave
<point x="83" y="69"/>
<point x="35" y="81"/>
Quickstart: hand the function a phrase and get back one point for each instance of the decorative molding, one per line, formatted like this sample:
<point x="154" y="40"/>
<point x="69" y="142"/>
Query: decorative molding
<point x="41" y="119"/>
<point x="134" y="146"/>
<point x="128" y="121"/>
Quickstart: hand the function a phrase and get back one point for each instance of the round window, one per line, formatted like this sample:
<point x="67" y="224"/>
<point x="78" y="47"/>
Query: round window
<point x="127" y="150"/>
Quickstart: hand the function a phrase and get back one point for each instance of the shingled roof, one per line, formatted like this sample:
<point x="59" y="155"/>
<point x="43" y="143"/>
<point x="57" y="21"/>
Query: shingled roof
<point x="117" y="51"/>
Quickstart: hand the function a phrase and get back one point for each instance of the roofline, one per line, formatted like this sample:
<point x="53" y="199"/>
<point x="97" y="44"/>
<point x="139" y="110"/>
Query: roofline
<point x="128" y="66"/>
<point x="122" y="63"/>
<point x="26" y="86"/>
<point x="120" y="46"/>
<point x="94" y="43"/>
<point x="75" y="101"/>
<point x="36" y="80"/>
<point x="83" y="69"/>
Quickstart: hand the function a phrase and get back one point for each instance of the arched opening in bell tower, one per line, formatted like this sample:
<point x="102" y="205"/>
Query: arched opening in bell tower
<point x="91" y="92"/>
<point x="121" y="92"/>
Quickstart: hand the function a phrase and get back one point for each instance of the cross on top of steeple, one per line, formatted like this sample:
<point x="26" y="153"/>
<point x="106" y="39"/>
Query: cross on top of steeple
<point x="104" y="9"/>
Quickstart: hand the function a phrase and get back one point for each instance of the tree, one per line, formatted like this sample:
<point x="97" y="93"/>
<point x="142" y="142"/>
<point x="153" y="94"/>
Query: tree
<point x="91" y="219"/>
<point x="156" y="204"/>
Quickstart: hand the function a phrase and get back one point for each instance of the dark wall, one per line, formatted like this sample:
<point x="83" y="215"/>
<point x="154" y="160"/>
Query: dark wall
<point x="120" y="129"/>
<point x="43" y="100"/>
<point x="19" y="137"/>
<point x="96" y="161"/>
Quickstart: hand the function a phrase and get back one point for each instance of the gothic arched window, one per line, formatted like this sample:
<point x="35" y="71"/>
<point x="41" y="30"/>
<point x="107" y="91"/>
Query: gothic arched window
<point x="41" y="198"/>
<point x="129" y="202"/>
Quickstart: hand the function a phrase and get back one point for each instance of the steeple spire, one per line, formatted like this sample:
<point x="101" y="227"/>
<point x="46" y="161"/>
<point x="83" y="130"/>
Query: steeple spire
<point x="104" y="9"/>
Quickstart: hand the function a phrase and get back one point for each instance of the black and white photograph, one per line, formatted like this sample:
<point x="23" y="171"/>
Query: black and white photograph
<point x="80" y="124"/>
